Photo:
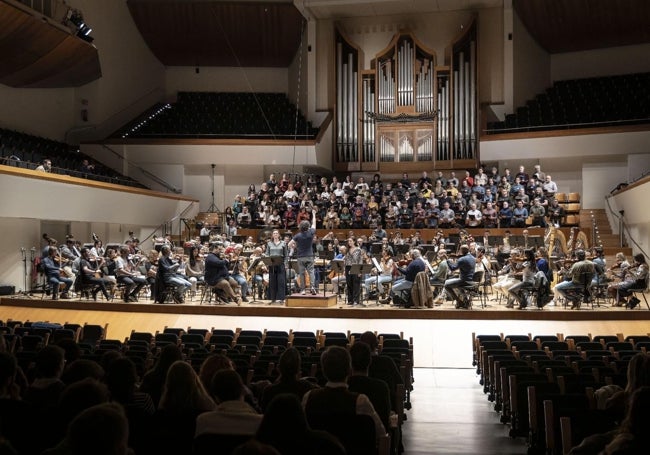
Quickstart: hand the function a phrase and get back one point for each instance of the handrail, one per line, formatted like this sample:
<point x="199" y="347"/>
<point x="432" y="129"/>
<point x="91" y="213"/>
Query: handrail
<point x="161" y="225"/>
<point x="153" y="177"/>
<point x="561" y="126"/>
<point x="623" y="227"/>
<point x="17" y="162"/>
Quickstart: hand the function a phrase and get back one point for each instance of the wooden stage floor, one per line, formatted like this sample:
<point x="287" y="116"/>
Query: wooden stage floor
<point x="433" y="330"/>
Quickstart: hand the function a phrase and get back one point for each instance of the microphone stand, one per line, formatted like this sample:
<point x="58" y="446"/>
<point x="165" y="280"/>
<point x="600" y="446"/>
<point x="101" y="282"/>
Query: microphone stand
<point x="23" y="253"/>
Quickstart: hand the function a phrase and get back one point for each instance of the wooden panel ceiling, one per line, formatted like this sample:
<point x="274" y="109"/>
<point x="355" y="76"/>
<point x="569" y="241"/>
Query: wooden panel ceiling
<point x="35" y="54"/>
<point x="202" y="33"/>
<point x="576" y="25"/>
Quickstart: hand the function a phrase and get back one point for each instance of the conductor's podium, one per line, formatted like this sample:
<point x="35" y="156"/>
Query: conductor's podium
<point x="312" y="301"/>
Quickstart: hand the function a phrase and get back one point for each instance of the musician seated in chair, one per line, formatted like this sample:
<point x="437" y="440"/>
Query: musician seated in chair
<point x="578" y="277"/>
<point x="217" y="276"/>
<point x="167" y="273"/>
<point x="516" y="291"/>
<point x="466" y="264"/>
<point x="635" y="277"/>
<point x="90" y="275"/>
<point x="403" y="286"/>
<point x="128" y="274"/>
<point x="55" y="274"/>
<point x="379" y="277"/>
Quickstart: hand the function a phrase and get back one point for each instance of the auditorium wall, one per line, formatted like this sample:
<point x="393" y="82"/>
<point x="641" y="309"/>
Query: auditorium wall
<point x="129" y="69"/>
<point x="39" y="112"/>
<point x="436" y="31"/>
<point x="601" y="62"/>
<point x="530" y="65"/>
<point x="633" y="202"/>
<point x="225" y="79"/>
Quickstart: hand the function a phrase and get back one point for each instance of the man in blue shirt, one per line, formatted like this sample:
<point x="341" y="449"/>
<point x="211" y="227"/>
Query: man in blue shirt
<point x="305" y="253"/>
<point x="466" y="265"/>
<point x="402" y="287"/>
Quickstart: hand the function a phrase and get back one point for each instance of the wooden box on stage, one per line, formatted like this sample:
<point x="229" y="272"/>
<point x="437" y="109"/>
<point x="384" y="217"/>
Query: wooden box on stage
<point x="312" y="301"/>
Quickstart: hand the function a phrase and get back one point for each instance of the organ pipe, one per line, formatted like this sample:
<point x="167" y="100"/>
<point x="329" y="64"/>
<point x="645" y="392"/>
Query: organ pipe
<point x="473" y="104"/>
<point x="464" y="87"/>
<point x="455" y="121"/>
<point x="339" y="102"/>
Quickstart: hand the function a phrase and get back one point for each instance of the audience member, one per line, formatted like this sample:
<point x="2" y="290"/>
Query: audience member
<point x="335" y="399"/>
<point x="153" y="381"/>
<point x="289" y="381"/>
<point x="232" y="415"/>
<point x="284" y="426"/>
<point x="359" y="381"/>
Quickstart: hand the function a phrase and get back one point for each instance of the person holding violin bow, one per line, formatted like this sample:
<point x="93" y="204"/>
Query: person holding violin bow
<point x="635" y="277"/>
<point x="516" y="291"/>
<point x="55" y="275"/>
<point x="89" y="275"/>
<point x="403" y="286"/>
<point x="128" y="274"/>
<point x="385" y="275"/>
<point x="466" y="264"/>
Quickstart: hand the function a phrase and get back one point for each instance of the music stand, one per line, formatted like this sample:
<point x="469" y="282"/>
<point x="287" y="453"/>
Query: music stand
<point x="377" y="265"/>
<point x="272" y="261"/>
<point x="293" y="265"/>
<point x="360" y="269"/>
<point x="251" y="268"/>
<point x="337" y="266"/>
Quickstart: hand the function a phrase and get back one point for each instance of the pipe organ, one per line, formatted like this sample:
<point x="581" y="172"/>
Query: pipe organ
<point x="464" y="81"/>
<point x="347" y="99"/>
<point x="442" y="151"/>
<point x="368" y="133"/>
<point x="406" y="111"/>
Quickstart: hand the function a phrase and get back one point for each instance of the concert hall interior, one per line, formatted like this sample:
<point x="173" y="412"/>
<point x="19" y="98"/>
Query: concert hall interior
<point x="434" y="169"/>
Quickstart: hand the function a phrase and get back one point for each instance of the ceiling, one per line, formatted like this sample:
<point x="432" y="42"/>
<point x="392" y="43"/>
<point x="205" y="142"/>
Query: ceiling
<point x="219" y="33"/>
<point x="267" y="33"/>
<point x="577" y="25"/>
<point x="36" y="54"/>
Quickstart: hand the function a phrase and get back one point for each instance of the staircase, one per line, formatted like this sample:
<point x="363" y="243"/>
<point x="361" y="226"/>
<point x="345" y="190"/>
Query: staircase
<point x="608" y="239"/>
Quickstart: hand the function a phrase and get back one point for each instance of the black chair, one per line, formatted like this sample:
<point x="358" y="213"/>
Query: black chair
<point x="92" y="333"/>
<point x="276" y="341"/>
<point x="356" y="433"/>
<point x="163" y="339"/>
<point x="228" y="332"/>
<point x="143" y="336"/>
<point x="638" y="290"/>
<point x="251" y="333"/>
<point x="193" y="338"/>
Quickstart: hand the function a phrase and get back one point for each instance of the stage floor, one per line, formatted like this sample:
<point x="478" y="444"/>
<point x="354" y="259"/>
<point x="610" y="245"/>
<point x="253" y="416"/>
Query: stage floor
<point x="441" y="335"/>
<point x="492" y="309"/>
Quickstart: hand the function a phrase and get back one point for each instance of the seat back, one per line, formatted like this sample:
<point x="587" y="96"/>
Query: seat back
<point x="355" y="432"/>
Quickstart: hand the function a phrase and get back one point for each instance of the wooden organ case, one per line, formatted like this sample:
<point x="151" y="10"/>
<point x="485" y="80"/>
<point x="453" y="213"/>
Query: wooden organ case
<point x="406" y="113"/>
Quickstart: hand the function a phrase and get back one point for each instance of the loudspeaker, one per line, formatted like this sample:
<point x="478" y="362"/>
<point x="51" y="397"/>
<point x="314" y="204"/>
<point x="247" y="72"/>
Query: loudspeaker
<point x="5" y="289"/>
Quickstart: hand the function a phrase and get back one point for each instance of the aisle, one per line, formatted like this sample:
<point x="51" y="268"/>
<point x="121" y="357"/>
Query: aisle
<point x="451" y="415"/>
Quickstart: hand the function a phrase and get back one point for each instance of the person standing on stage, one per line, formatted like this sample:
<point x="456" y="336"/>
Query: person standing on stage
<point x="353" y="256"/>
<point x="305" y="252"/>
<point x="277" y="273"/>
